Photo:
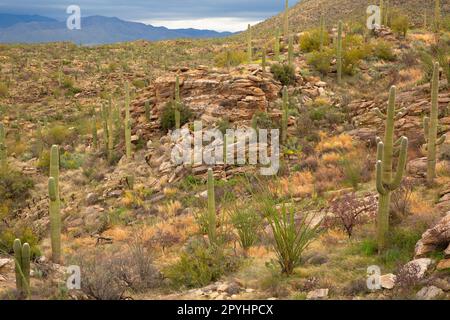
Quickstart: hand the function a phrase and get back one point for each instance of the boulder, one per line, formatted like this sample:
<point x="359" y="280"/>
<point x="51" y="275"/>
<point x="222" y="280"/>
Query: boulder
<point x="430" y="293"/>
<point x="420" y="266"/>
<point x="319" y="294"/>
<point x="434" y="238"/>
<point x="387" y="281"/>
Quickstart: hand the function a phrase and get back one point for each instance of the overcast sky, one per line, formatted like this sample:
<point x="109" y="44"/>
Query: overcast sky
<point x="220" y="15"/>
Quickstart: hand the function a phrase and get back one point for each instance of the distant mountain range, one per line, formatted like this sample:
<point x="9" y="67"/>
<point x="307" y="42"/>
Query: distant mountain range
<point x="94" y="30"/>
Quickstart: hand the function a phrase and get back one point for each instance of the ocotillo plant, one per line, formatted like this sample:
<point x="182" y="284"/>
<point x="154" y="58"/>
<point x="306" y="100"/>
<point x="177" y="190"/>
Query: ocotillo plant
<point x="291" y="51"/>
<point x="437" y="15"/>
<point x="177" y="104"/>
<point x="387" y="181"/>
<point x="322" y="32"/>
<point x="94" y="132"/>
<point x="285" y="115"/>
<point x="3" y="150"/>
<point x="431" y="127"/>
<point x="211" y="208"/>
<point x="286" y="19"/>
<point x="22" y="267"/>
<point x="339" y="54"/>
<point x="249" y="44"/>
<point x="263" y="59"/>
<point x="276" y="48"/>
<point x="127" y="122"/>
<point x="55" y="204"/>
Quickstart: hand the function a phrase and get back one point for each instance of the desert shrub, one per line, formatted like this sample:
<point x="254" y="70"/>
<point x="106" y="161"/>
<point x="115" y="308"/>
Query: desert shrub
<point x="71" y="161"/>
<point x="383" y="50"/>
<point x="201" y="264"/>
<point x="350" y="211"/>
<point x="400" y="249"/>
<point x="25" y="234"/>
<point x="58" y="134"/>
<point x="247" y="223"/>
<point x="355" y="171"/>
<point x="291" y="236"/>
<point x="139" y="83"/>
<point x="445" y="22"/>
<point x="231" y="57"/>
<point x="167" y="120"/>
<point x="401" y="201"/>
<point x="14" y="190"/>
<point x="321" y="61"/>
<point x="400" y="24"/>
<point x="263" y="121"/>
<point x="352" y="57"/>
<point x="310" y="41"/>
<point x="283" y="73"/>
<point x="3" y="89"/>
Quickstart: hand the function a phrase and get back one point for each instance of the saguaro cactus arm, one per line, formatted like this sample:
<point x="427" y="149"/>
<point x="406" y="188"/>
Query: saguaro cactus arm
<point x="395" y="183"/>
<point x="380" y="114"/>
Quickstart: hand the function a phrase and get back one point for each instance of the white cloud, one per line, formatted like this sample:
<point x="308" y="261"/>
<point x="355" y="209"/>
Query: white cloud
<point x="217" y="24"/>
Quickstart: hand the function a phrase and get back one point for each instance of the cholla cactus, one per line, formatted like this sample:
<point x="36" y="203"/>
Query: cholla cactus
<point x="387" y="182"/>
<point x="211" y="208"/>
<point x="3" y="150"/>
<point x="177" y="104"/>
<point x="22" y="255"/>
<point x="127" y="122"/>
<point x="431" y="127"/>
<point x="339" y="54"/>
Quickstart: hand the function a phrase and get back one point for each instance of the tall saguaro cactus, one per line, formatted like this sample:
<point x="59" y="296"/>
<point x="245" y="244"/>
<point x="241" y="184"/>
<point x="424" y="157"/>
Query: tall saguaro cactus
<point x="322" y="32"/>
<point x="22" y="256"/>
<point x="177" y="104"/>
<point x="55" y="204"/>
<point x="263" y="59"/>
<point x="127" y="122"/>
<point x="431" y="127"/>
<point x="387" y="181"/>
<point x="291" y="51"/>
<point x="286" y="20"/>
<point x="276" y="48"/>
<point x="437" y="15"/>
<point x="339" y="54"/>
<point x="285" y="116"/>
<point x="94" y="132"/>
<point x="211" y="208"/>
<point x="3" y="150"/>
<point x="249" y="44"/>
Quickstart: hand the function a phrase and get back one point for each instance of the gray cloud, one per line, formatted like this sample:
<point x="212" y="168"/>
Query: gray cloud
<point x="151" y="9"/>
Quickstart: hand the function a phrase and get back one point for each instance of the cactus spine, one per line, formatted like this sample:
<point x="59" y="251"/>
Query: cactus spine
<point x="291" y="51"/>
<point x="431" y="127"/>
<point x="386" y="181"/>
<point x="127" y="122"/>
<point x="277" y="45"/>
<point x="55" y="204"/>
<point x="22" y="256"/>
<point x="177" y="104"/>
<point x="3" y="150"/>
<point x="339" y="54"/>
<point x="211" y="208"/>
<point x="285" y="115"/>
<point x="249" y="44"/>
<point x="286" y="19"/>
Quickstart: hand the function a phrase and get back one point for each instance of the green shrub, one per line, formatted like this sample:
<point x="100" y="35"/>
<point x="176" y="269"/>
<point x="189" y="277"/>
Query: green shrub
<point x="446" y="23"/>
<point x="263" y="121"/>
<point x="167" y="120"/>
<point x="71" y="161"/>
<point x="352" y="58"/>
<point x="247" y="222"/>
<point x="283" y="73"/>
<point x="383" y="50"/>
<point x="310" y="41"/>
<point x="139" y="83"/>
<point x="58" y="134"/>
<point x="200" y="265"/>
<point x="3" y="89"/>
<point x="14" y="189"/>
<point x="400" y="24"/>
<point x="321" y="61"/>
<point x="26" y="235"/>
<point x="233" y="57"/>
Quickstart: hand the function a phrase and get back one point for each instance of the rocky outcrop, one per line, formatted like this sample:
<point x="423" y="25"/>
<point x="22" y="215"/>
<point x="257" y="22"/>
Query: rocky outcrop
<point x="436" y="238"/>
<point x="417" y="103"/>
<point x="210" y="94"/>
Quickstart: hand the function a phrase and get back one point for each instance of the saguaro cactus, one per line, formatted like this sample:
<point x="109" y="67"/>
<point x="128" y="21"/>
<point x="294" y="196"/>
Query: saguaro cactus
<point x="55" y="204"/>
<point x="431" y="127"/>
<point x="291" y="51"/>
<point x="339" y="54"/>
<point x="211" y="208"/>
<point x="437" y="16"/>
<point x="276" y="48"/>
<point x="249" y="44"/>
<point x="382" y="11"/>
<point x="94" y="132"/>
<point x="322" y="32"/>
<point x="286" y="19"/>
<point x="148" y="115"/>
<point x="3" y="150"/>
<point x="285" y="115"/>
<point x="22" y="267"/>
<point x="110" y="129"/>
<point x="106" y="131"/>
<point x="177" y="104"/>
<point x="127" y="122"/>
<point x="387" y="182"/>
<point x="263" y="59"/>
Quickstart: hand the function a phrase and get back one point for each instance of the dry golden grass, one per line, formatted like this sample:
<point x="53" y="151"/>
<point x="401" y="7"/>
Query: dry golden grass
<point x="409" y="77"/>
<point x="341" y="142"/>
<point x="419" y="205"/>
<point x="117" y="233"/>
<point x="331" y="158"/>
<point x="298" y="184"/>
<point x="170" y="209"/>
